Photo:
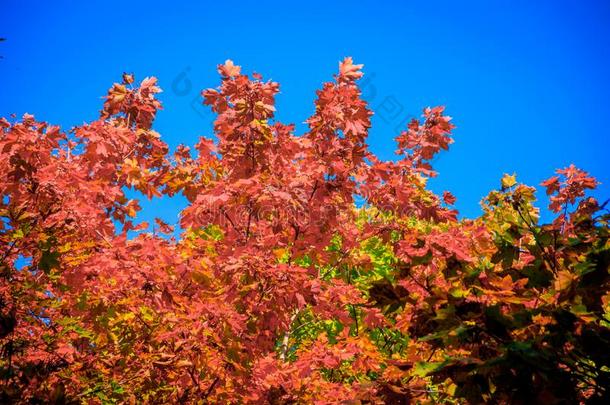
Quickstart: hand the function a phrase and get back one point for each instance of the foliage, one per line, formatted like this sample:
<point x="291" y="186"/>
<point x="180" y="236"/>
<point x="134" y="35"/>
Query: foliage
<point x="281" y="289"/>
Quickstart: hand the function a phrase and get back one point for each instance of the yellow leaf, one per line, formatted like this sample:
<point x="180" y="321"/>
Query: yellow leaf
<point x="201" y="277"/>
<point x="184" y="363"/>
<point x="280" y="253"/>
<point x="128" y="316"/>
<point x="563" y="280"/>
<point x="508" y="181"/>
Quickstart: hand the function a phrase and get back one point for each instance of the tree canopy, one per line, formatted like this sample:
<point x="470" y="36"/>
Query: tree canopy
<point x="307" y="269"/>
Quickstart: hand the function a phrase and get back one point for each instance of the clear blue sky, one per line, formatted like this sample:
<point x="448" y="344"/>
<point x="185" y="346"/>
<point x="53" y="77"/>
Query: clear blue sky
<point x="527" y="82"/>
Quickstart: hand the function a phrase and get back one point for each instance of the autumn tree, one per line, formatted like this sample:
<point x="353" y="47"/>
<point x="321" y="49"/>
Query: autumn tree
<point x="281" y="287"/>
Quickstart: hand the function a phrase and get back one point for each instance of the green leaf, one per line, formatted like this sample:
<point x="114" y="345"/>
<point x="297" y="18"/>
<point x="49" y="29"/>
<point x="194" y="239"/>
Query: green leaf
<point x="48" y="261"/>
<point x="423" y="369"/>
<point x="147" y="314"/>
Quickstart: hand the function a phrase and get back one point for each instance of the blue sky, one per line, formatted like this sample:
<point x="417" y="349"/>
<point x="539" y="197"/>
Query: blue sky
<point x="527" y="82"/>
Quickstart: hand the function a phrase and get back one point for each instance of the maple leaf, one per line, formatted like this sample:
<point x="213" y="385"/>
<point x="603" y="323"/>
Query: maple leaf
<point x="348" y="71"/>
<point x="229" y="69"/>
<point x="552" y="185"/>
<point x="508" y="181"/>
<point x="449" y="198"/>
<point x="163" y="227"/>
<point x="128" y="78"/>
